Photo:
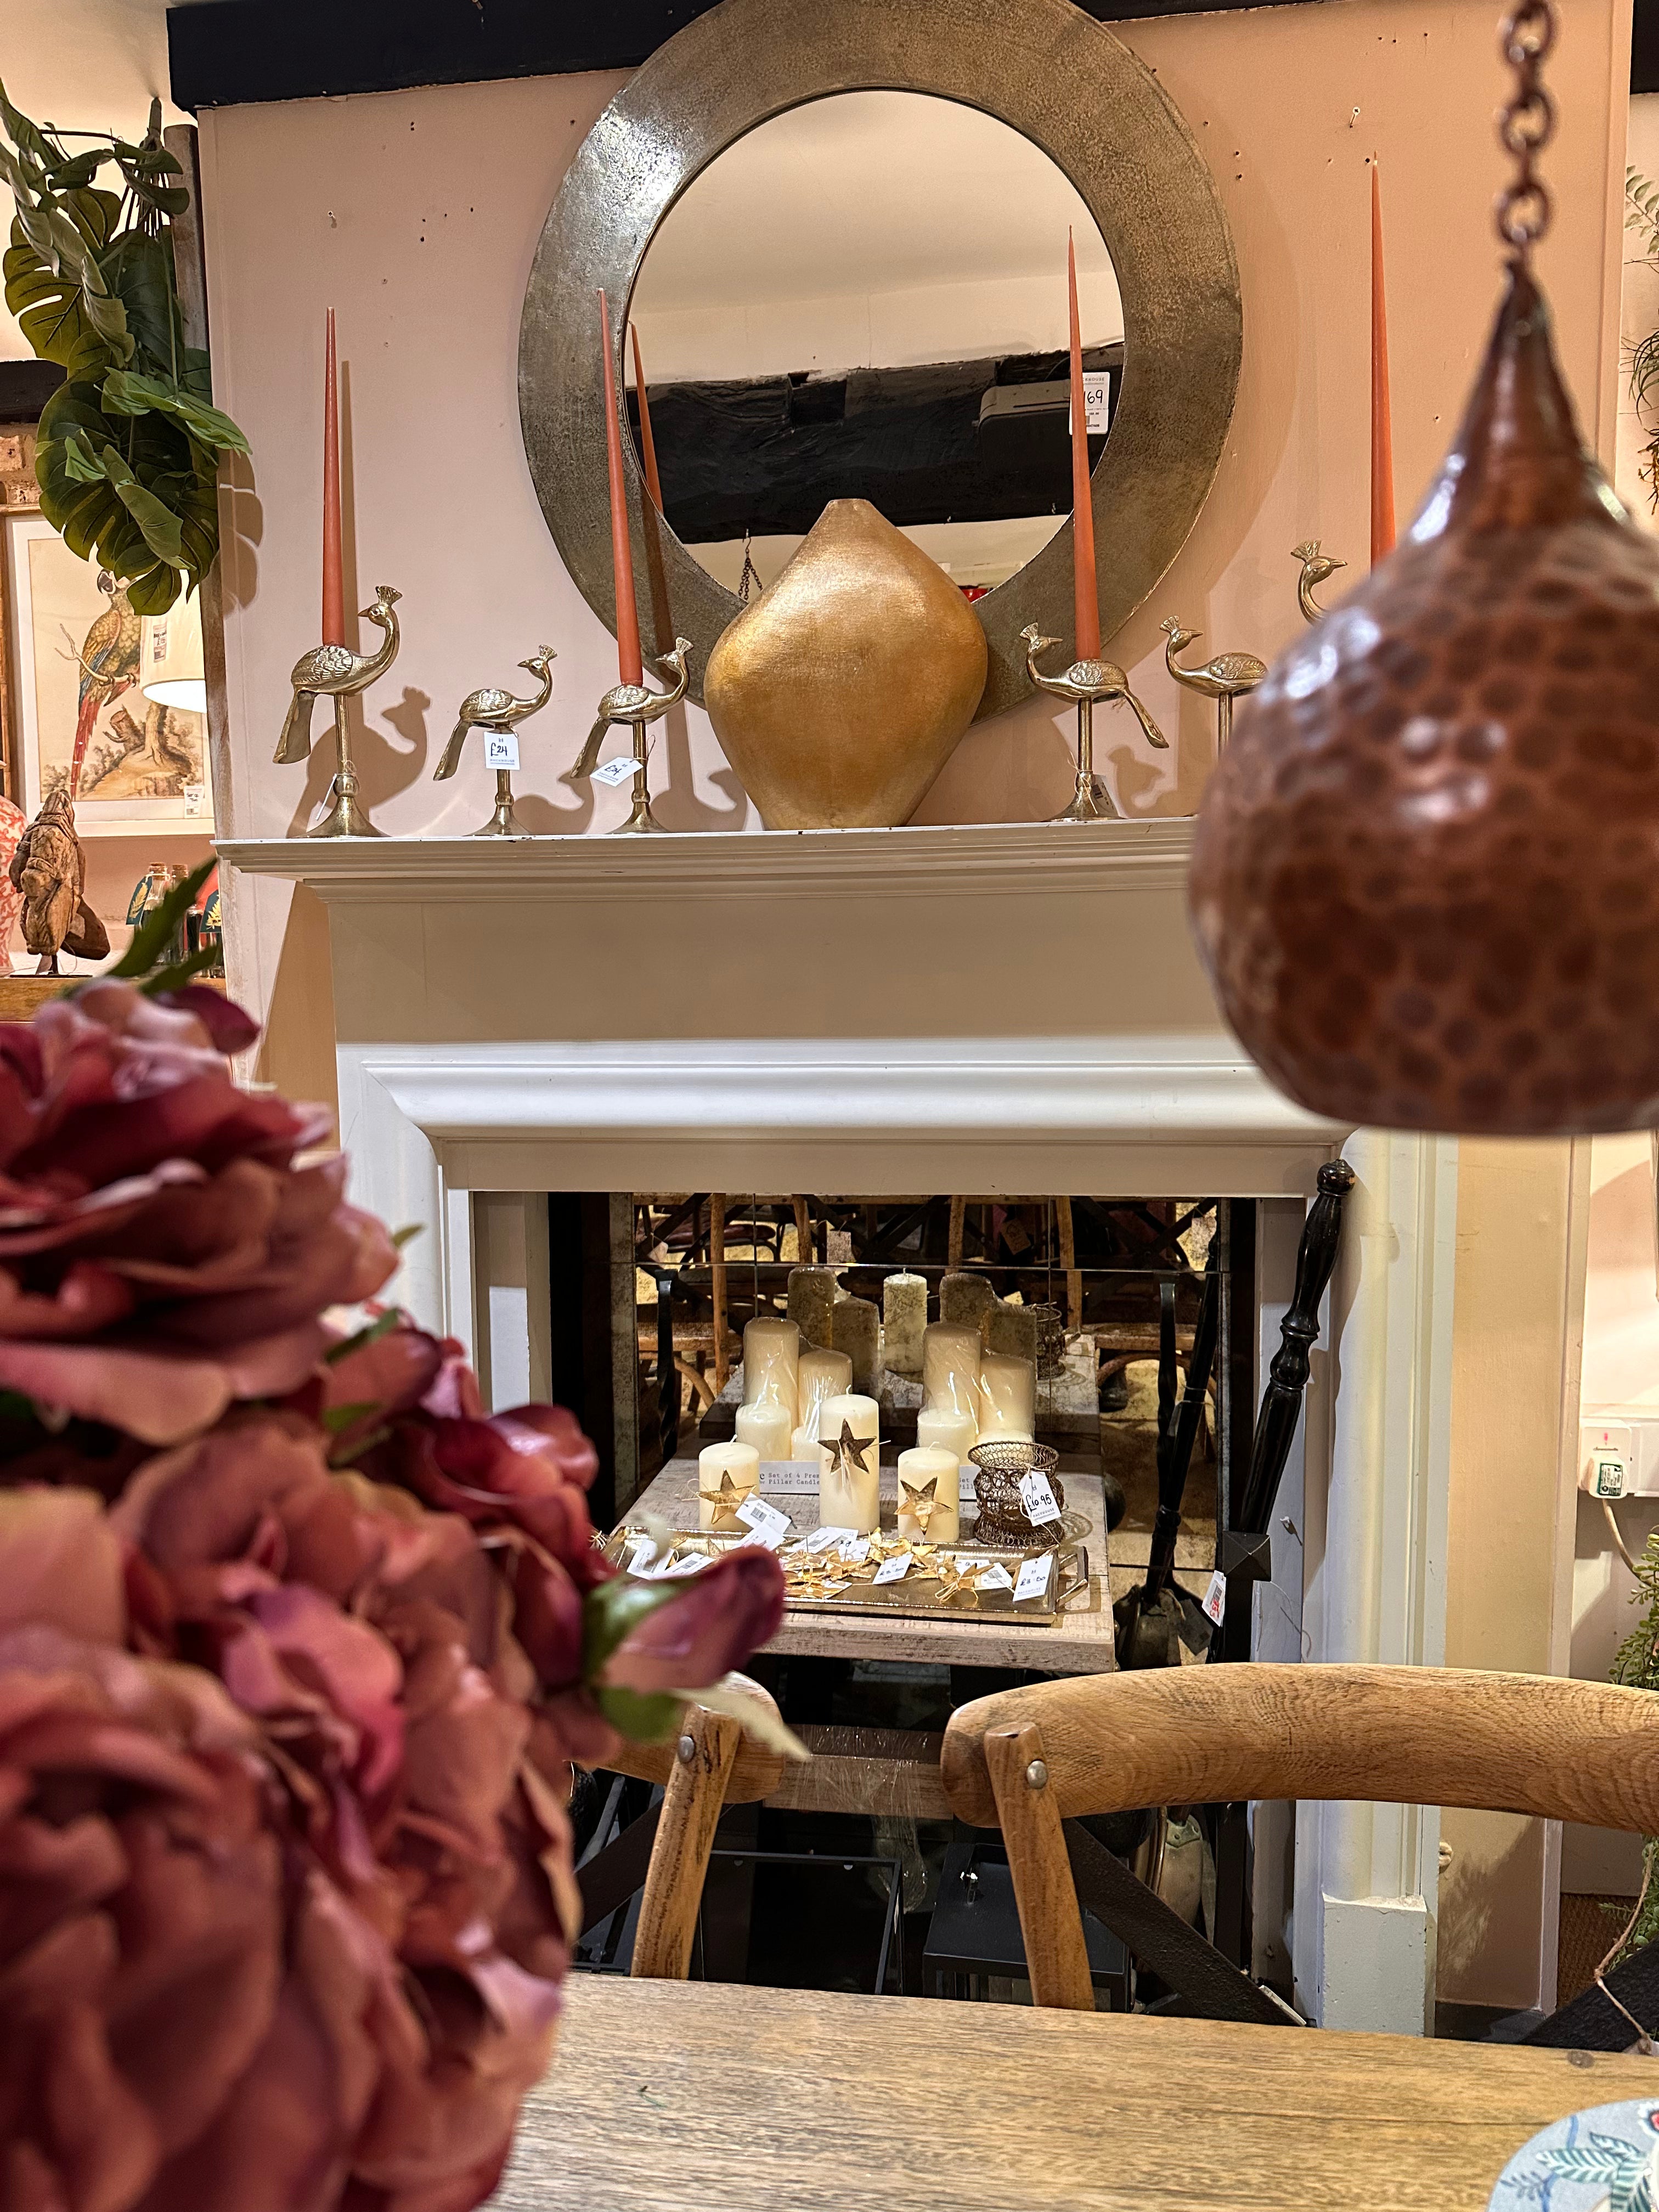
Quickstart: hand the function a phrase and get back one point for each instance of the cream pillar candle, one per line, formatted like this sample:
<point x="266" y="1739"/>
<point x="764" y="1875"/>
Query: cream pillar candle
<point x="821" y="1375"/>
<point x="965" y="1299"/>
<point x="769" y="1428"/>
<point x="726" y="1474"/>
<point x="1012" y="1329"/>
<point x="849" y="1461"/>
<point x="948" y="1419"/>
<point x="811" y="1294"/>
<point x="904" y="1321"/>
<point x="855" y="1325"/>
<point x="951" y="1432"/>
<point x="927" y="1507"/>
<point x="1008" y="1389"/>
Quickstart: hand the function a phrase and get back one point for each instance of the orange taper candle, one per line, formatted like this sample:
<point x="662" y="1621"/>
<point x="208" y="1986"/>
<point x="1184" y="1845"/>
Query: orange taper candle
<point x="1086" y="618"/>
<point x="1382" y="409"/>
<point x="647" y="443"/>
<point x="333" y="566"/>
<point x="629" y="665"/>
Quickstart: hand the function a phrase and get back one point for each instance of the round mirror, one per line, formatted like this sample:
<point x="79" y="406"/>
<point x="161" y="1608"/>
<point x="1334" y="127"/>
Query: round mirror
<point x="741" y="172"/>
<point x="866" y="298"/>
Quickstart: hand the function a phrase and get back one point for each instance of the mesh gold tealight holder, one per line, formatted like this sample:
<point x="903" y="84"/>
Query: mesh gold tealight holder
<point x="1002" y="1515"/>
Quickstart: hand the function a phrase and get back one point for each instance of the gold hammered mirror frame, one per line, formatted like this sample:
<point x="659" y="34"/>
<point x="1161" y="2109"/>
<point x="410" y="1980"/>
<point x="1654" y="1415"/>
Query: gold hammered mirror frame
<point x="1043" y="68"/>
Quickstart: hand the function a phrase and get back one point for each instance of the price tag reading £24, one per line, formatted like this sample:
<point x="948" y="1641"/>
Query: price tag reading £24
<point x="1037" y="1498"/>
<point x="500" y="749"/>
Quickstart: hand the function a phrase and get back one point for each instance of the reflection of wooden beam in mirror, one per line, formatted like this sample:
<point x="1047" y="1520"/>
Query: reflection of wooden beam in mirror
<point x="662" y="619"/>
<point x="1085" y="589"/>
<point x="622" y="543"/>
<point x="647" y="443"/>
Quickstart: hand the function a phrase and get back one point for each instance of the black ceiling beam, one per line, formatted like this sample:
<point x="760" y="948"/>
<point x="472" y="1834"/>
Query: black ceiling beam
<point x="225" y="53"/>
<point x="25" y="388"/>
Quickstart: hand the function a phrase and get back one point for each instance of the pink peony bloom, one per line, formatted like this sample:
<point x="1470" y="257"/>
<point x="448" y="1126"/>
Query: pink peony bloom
<point x="160" y="1254"/>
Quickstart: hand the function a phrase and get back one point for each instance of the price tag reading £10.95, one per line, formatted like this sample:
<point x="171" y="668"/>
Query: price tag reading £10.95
<point x="500" y="749"/>
<point x="1037" y="1498"/>
<point x="765" y="1524"/>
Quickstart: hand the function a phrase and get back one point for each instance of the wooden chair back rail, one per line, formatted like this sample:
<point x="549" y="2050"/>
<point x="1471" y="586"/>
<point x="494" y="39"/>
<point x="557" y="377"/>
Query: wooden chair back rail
<point x="691" y="1805"/>
<point x="710" y="1762"/>
<point x="1516" y="1743"/>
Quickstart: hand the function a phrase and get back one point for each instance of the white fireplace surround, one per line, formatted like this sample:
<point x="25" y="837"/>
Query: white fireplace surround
<point x="985" y="1009"/>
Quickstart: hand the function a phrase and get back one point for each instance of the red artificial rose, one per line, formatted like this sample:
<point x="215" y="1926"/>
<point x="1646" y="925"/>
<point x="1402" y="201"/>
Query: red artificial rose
<point x="160" y="1254"/>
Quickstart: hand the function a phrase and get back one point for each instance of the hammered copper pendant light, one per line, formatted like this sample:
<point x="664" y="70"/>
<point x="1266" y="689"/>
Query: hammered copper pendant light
<point x="1425" y="881"/>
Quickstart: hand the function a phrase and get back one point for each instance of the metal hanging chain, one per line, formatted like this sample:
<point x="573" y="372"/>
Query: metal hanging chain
<point x="1526" y="125"/>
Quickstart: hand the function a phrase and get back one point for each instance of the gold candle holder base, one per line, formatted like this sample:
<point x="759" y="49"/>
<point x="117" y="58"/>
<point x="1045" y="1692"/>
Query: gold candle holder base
<point x="503" y="823"/>
<point x="642" y="821"/>
<point x="344" y="817"/>
<point x="1090" y="800"/>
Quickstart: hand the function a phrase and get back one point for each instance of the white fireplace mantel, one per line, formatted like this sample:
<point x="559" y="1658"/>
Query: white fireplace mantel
<point x="987" y="1009"/>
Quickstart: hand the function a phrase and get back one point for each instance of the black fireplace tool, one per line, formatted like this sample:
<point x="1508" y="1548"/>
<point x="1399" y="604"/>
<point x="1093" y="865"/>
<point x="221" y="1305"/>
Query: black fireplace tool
<point x="1244" y="1548"/>
<point x="1153" y="1621"/>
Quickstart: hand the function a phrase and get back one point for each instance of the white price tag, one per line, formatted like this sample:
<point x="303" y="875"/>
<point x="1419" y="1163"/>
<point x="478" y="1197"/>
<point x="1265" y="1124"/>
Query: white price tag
<point x="995" y="1577"/>
<point x="966" y="1492"/>
<point x="194" y="795"/>
<point x="828" y="1538"/>
<point x="500" y="749"/>
<point x="1032" y="1580"/>
<point x="972" y="1566"/>
<point x="615" y="771"/>
<point x="894" y="1571"/>
<point x="854" y="1549"/>
<point x="1037" y="1498"/>
<point x="1215" y="1598"/>
<point x="1096" y="404"/>
<point x="791" y="1478"/>
<point x="765" y="1524"/>
<point x="641" y="1556"/>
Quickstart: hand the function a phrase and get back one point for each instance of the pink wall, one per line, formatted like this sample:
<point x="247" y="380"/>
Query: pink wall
<point x="416" y="215"/>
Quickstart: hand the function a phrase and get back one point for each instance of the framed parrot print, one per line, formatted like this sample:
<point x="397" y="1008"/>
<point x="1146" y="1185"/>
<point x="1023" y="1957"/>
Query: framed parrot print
<point x="84" y="723"/>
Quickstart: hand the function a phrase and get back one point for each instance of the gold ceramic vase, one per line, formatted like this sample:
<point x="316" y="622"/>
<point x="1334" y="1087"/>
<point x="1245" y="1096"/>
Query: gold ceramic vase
<point x="840" y="694"/>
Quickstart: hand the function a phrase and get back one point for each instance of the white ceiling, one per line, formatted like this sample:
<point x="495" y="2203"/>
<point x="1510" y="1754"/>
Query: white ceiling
<point x="84" y="65"/>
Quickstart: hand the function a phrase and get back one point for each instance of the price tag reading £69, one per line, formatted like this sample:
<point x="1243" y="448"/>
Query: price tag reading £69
<point x="765" y="1524"/>
<point x="1037" y="1498"/>
<point x="500" y="749"/>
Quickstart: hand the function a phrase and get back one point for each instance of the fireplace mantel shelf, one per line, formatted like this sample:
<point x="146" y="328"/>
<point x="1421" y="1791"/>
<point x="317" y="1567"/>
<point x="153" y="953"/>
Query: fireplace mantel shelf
<point x="981" y="857"/>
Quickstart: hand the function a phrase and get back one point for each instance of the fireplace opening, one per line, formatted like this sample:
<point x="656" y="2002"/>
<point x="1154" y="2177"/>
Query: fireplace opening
<point x="652" y="1293"/>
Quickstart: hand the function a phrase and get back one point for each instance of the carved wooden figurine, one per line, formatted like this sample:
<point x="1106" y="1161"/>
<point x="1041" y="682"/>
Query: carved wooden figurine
<point x="1223" y="679"/>
<point x="49" y="869"/>
<point x="334" y="672"/>
<point x="499" y="713"/>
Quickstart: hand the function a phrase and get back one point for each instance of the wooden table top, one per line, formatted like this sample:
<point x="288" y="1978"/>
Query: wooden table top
<point x="667" y="2095"/>
<point x="1079" y="1642"/>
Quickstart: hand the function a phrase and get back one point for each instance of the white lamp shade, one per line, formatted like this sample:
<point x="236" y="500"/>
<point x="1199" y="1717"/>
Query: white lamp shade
<point x="170" y="665"/>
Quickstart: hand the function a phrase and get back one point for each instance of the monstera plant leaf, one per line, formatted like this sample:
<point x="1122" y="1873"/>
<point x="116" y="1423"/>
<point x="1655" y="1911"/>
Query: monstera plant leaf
<point x="130" y="444"/>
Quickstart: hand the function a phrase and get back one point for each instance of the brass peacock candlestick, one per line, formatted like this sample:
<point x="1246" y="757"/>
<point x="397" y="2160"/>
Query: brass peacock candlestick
<point x="498" y="713"/>
<point x="334" y="672"/>
<point x="1316" y="566"/>
<point x="637" y="706"/>
<point x="1088" y="683"/>
<point x="1229" y="676"/>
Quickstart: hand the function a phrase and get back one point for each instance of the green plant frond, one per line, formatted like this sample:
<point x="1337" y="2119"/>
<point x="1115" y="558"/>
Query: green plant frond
<point x="128" y="453"/>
